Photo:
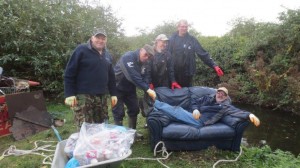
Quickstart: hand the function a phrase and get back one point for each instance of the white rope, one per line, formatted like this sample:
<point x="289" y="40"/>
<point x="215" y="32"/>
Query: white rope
<point x="223" y="160"/>
<point x="165" y="154"/>
<point x="12" y="150"/>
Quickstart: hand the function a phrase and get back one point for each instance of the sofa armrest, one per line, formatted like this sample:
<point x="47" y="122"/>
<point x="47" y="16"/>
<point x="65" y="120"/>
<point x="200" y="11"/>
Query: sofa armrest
<point x="156" y="120"/>
<point x="232" y="121"/>
<point x="240" y="127"/>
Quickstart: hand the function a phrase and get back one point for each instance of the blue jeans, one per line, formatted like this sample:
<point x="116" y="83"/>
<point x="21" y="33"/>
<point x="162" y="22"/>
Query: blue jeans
<point x="178" y="114"/>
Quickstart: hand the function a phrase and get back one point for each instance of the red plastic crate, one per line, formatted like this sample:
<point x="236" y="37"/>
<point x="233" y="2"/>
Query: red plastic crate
<point x="2" y="99"/>
<point x="5" y="123"/>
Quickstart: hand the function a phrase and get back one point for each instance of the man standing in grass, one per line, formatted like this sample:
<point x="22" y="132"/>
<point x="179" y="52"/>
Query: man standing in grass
<point x="128" y="71"/>
<point x="88" y="76"/>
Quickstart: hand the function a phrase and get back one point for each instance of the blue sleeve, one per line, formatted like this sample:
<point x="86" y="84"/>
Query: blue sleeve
<point x="170" y="66"/>
<point x="236" y="112"/>
<point x="131" y="73"/>
<point x="112" y="88"/>
<point x="203" y="54"/>
<point x="71" y="72"/>
<point x="199" y="102"/>
<point x="170" y="44"/>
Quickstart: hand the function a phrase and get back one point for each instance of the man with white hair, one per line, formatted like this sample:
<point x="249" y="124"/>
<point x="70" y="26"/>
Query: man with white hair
<point x="183" y="48"/>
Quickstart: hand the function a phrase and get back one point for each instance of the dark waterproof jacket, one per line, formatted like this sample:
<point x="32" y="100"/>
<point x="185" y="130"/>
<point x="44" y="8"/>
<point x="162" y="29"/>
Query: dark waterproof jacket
<point x="128" y="71"/>
<point x="89" y="72"/>
<point x="160" y="70"/>
<point x="207" y="100"/>
<point x="183" y="50"/>
<point x="212" y="111"/>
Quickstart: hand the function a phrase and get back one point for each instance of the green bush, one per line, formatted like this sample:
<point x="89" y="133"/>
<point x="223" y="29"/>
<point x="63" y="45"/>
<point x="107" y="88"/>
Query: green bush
<point x="261" y="61"/>
<point x="38" y="37"/>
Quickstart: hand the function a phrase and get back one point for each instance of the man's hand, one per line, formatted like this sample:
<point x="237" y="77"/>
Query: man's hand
<point x="196" y="114"/>
<point x="219" y="71"/>
<point x="254" y="120"/>
<point x="71" y="101"/>
<point x="175" y="85"/>
<point x="151" y="93"/>
<point x="151" y="86"/>
<point x="114" y="101"/>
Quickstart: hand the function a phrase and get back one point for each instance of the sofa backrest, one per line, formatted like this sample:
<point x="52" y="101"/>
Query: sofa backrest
<point x="182" y="97"/>
<point x="176" y="97"/>
<point x="199" y="91"/>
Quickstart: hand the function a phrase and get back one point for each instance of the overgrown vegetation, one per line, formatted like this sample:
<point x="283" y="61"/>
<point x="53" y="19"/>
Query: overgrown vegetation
<point x="260" y="60"/>
<point x="38" y="37"/>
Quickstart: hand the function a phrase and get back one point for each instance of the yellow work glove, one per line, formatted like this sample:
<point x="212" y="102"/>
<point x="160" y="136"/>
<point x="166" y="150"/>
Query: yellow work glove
<point x="114" y="101"/>
<point x="151" y="93"/>
<point x="196" y="114"/>
<point x="254" y="120"/>
<point x="71" y="101"/>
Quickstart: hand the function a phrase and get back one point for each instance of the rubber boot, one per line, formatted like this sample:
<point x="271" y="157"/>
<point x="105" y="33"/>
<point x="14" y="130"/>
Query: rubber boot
<point x="120" y="123"/>
<point x="132" y="124"/>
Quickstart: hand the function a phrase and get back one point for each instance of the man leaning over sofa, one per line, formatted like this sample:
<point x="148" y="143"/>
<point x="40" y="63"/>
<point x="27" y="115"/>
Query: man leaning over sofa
<point x="207" y="110"/>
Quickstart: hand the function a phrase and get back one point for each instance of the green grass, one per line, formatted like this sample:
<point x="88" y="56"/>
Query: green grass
<point x="251" y="157"/>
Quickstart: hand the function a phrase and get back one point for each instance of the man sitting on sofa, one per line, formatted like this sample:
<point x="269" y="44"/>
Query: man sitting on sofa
<point x="212" y="108"/>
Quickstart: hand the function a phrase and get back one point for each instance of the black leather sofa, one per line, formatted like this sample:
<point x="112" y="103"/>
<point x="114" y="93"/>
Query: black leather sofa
<point x="226" y="134"/>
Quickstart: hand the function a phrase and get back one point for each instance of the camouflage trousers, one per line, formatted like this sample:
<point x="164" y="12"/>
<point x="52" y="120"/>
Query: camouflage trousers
<point x="90" y="109"/>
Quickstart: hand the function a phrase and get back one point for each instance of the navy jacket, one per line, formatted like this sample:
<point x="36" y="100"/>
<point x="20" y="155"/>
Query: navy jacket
<point x="207" y="100"/>
<point x="212" y="111"/>
<point x="88" y="72"/>
<point x="128" y="71"/>
<point x="160" y="70"/>
<point x="183" y="50"/>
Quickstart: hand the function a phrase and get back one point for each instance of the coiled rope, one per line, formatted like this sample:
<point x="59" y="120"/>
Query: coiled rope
<point x="12" y="150"/>
<point x="223" y="160"/>
<point x="165" y="154"/>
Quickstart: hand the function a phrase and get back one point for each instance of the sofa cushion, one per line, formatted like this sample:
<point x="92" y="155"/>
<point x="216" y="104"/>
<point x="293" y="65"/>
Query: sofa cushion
<point x="176" y="97"/>
<point x="178" y="131"/>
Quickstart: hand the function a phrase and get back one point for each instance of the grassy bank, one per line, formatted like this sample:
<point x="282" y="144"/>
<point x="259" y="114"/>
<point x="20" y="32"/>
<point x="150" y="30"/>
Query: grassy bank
<point x="251" y="156"/>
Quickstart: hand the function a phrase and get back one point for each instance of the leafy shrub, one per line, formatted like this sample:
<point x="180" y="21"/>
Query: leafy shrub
<point x="39" y="37"/>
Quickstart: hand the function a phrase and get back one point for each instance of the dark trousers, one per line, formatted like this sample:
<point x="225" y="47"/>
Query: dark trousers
<point x="184" y="80"/>
<point x="130" y="100"/>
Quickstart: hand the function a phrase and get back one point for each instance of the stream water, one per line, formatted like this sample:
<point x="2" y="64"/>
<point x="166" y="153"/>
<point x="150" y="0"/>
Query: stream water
<point x="278" y="129"/>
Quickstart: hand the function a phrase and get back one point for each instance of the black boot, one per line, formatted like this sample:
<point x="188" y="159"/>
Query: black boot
<point x="120" y="123"/>
<point x="132" y="124"/>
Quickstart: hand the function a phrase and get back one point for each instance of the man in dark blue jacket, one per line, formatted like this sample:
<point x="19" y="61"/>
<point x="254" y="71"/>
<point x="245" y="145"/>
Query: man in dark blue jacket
<point x="183" y="48"/>
<point x="88" y="76"/>
<point x="128" y="71"/>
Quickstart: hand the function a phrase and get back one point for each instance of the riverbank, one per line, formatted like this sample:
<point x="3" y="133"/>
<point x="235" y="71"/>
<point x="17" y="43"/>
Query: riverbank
<point x="278" y="129"/>
<point x="250" y="157"/>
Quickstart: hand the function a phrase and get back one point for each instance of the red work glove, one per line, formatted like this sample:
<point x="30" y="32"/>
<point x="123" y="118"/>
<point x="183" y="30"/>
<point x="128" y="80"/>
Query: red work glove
<point x="175" y="85"/>
<point x="33" y="83"/>
<point x="151" y="86"/>
<point x="219" y="71"/>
